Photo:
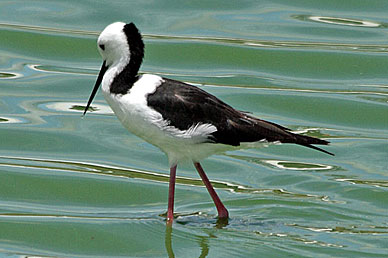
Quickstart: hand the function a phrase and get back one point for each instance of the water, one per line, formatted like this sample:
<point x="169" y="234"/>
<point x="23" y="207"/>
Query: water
<point x="73" y="187"/>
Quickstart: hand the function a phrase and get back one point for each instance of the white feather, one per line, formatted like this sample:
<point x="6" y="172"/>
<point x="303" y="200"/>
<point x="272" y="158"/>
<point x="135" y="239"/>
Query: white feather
<point x="143" y="121"/>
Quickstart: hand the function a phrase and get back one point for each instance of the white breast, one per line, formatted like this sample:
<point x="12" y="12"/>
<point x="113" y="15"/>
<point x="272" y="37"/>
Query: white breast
<point x="143" y="121"/>
<point x="131" y="108"/>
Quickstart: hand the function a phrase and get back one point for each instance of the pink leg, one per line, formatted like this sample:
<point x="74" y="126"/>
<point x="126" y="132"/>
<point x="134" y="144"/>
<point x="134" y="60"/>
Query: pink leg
<point x="171" y="191"/>
<point x="222" y="211"/>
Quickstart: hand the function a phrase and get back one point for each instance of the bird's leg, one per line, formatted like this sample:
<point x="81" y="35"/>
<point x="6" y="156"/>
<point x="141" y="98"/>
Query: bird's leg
<point x="222" y="211"/>
<point x="171" y="191"/>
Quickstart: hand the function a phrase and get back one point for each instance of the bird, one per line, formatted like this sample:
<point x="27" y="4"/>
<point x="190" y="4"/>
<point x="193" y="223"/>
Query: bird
<point x="184" y="121"/>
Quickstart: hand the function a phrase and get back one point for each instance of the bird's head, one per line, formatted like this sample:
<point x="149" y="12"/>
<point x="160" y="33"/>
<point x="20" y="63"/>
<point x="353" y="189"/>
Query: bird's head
<point x="120" y="45"/>
<point x="113" y="44"/>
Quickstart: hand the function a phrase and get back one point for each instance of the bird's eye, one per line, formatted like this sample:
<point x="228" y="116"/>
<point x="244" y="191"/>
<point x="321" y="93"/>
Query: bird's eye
<point x="102" y="46"/>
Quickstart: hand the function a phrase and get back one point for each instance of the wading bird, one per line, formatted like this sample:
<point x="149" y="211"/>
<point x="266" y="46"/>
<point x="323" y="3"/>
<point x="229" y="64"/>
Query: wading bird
<point x="184" y="121"/>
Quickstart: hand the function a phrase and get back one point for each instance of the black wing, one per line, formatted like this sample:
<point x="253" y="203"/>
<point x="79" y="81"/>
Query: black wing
<point x="185" y="105"/>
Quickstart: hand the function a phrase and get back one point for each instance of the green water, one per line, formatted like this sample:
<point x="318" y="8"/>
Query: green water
<point x="85" y="187"/>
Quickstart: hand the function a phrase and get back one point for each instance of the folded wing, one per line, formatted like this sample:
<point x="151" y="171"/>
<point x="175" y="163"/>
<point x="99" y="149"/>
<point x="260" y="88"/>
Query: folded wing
<point x="185" y="105"/>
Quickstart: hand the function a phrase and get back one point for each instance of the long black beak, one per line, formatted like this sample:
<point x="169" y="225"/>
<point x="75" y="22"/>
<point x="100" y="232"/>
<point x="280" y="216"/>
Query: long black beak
<point x="103" y="69"/>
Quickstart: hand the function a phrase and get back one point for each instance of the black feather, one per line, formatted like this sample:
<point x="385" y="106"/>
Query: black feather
<point x="185" y="105"/>
<point x="124" y="80"/>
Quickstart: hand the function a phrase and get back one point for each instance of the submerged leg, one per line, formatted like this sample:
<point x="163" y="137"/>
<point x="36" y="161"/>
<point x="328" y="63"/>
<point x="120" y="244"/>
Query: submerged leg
<point x="222" y="211"/>
<point x="171" y="191"/>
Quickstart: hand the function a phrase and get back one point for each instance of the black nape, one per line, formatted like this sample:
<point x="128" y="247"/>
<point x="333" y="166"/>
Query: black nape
<point x="124" y="80"/>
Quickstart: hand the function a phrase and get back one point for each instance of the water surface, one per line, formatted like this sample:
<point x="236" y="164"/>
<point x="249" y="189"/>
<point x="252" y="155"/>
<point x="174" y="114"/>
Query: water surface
<point x="85" y="187"/>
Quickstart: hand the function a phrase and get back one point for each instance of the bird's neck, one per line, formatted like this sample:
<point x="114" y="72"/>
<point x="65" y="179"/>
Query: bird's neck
<point x="127" y="71"/>
<point x="124" y="80"/>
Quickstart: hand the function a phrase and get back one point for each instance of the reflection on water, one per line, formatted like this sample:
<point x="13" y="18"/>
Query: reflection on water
<point x="231" y="41"/>
<point x="203" y="242"/>
<point x="376" y="183"/>
<point x="373" y="230"/>
<point x="9" y="75"/>
<point x="83" y="167"/>
<point x="76" y="107"/>
<point x="11" y="120"/>
<point x="61" y="69"/>
<point x="168" y="242"/>
<point x="344" y="21"/>
<point x="284" y="164"/>
<point x="297" y="165"/>
<point x="298" y="238"/>
<point x="46" y="29"/>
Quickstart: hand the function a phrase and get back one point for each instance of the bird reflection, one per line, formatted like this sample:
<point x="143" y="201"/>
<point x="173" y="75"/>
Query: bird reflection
<point x="222" y="222"/>
<point x="168" y="242"/>
<point x="203" y="240"/>
<point x="204" y="246"/>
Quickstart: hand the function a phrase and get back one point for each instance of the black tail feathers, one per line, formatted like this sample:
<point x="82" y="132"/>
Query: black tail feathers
<point x="318" y="149"/>
<point x="307" y="141"/>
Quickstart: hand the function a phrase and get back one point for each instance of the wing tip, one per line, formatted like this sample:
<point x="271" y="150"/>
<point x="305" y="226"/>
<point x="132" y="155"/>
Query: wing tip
<point x="319" y="149"/>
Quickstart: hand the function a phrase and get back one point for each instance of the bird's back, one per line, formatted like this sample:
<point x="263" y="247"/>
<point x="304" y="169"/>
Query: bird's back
<point x="184" y="105"/>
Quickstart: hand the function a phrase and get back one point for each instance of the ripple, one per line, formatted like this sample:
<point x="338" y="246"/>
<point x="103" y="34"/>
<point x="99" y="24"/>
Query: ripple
<point x="236" y="41"/>
<point x="76" y="107"/>
<point x="374" y="230"/>
<point x="92" y="168"/>
<point x="344" y="21"/>
<point x="61" y="69"/>
<point x="9" y="75"/>
<point x="376" y="183"/>
<point x="48" y="29"/>
<point x="285" y="164"/>
<point x="339" y="21"/>
<point x="298" y="238"/>
<point x="297" y="165"/>
<point x="11" y="120"/>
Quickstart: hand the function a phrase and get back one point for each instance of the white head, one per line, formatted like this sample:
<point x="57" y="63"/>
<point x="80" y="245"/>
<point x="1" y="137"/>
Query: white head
<point x="113" y="44"/>
<point x="120" y="46"/>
